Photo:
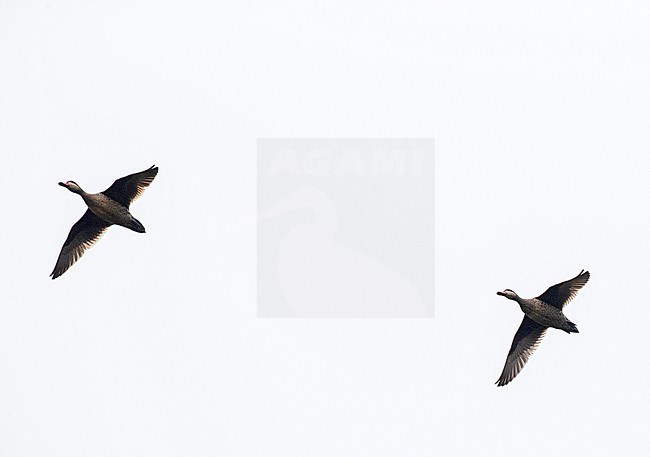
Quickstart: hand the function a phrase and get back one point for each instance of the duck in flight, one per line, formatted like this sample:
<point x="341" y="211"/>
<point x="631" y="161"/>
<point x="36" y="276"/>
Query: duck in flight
<point x="540" y="313"/>
<point x="104" y="209"/>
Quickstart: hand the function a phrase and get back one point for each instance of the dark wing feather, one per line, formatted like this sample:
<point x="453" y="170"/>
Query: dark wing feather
<point x="83" y="234"/>
<point x="561" y="294"/>
<point x="127" y="189"/>
<point x="525" y="342"/>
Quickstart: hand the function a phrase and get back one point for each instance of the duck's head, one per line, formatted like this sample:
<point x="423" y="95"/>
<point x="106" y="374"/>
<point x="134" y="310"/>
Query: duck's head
<point x="71" y="186"/>
<point x="509" y="294"/>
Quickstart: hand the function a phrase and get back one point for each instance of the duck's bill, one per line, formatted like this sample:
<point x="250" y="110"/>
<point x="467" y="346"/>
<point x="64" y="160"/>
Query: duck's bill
<point x="62" y="184"/>
<point x="501" y="293"/>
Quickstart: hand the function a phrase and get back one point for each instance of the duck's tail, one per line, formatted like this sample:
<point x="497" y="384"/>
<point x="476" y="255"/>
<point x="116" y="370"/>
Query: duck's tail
<point x="571" y="327"/>
<point x="136" y="226"/>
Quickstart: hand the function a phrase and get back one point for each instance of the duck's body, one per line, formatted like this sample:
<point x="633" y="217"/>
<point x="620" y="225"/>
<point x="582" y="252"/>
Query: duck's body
<point x="545" y="314"/>
<point x="111" y="211"/>
<point x="107" y="208"/>
<point x="540" y="313"/>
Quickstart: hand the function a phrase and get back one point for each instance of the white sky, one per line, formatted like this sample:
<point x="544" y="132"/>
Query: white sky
<point x="150" y="345"/>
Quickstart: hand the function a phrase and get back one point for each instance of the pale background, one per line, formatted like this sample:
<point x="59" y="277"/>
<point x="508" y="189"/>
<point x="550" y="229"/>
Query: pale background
<point x="150" y="345"/>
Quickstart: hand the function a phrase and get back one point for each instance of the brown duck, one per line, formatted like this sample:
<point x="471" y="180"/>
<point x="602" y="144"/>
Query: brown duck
<point x="107" y="208"/>
<point x="540" y="313"/>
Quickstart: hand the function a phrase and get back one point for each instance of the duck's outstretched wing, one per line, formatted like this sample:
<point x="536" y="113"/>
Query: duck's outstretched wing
<point x="83" y="234"/>
<point x="561" y="294"/>
<point x="526" y="340"/>
<point x="127" y="189"/>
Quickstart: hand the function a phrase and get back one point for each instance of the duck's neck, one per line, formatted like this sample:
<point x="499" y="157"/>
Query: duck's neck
<point x="76" y="190"/>
<point x="82" y="193"/>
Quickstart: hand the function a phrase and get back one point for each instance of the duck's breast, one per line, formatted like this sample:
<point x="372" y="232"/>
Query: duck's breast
<point x="108" y="209"/>
<point x="543" y="313"/>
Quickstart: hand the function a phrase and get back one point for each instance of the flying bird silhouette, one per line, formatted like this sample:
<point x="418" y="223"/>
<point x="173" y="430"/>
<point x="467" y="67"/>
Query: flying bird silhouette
<point x="104" y="209"/>
<point x="540" y="313"/>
